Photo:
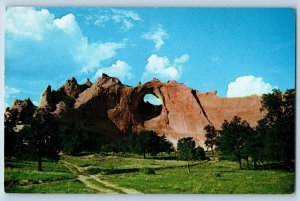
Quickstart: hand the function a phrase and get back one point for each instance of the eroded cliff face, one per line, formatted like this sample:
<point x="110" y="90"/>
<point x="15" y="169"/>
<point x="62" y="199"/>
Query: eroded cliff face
<point x="113" y="109"/>
<point x="20" y="111"/>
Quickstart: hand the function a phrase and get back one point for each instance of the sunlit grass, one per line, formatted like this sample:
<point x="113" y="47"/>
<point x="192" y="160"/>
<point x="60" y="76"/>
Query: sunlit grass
<point x="167" y="176"/>
<point x="213" y="178"/>
<point x="67" y="186"/>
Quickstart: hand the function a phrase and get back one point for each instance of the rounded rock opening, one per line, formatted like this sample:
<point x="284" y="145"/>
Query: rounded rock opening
<point x="150" y="106"/>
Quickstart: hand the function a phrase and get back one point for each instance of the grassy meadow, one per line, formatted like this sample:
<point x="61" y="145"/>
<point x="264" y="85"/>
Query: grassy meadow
<point x="99" y="173"/>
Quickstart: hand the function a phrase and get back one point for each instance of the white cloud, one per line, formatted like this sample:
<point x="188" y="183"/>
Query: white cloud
<point x="157" y="35"/>
<point x="67" y="23"/>
<point x="10" y="91"/>
<point x="63" y="32"/>
<point x="248" y="85"/>
<point x="161" y="68"/>
<point x="100" y="20"/>
<point x="92" y="54"/>
<point x="184" y="58"/>
<point x="120" y="69"/>
<point x="124" y="18"/>
<point x="127" y="14"/>
<point x="27" y="22"/>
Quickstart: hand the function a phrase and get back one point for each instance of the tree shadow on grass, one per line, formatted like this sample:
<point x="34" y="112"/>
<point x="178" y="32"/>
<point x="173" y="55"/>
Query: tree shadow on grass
<point x="96" y="170"/>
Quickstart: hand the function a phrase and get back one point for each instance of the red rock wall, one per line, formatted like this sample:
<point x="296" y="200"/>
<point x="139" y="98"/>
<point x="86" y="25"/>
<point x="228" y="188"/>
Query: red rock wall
<point x="186" y="112"/>
<point x="109" y="107"/>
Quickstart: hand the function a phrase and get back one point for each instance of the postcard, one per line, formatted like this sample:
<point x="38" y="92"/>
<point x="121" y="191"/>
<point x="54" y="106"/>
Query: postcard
<point x="149" y="100"/>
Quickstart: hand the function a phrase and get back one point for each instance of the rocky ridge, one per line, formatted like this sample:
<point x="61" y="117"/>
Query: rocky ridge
<point x="111" y="109"/>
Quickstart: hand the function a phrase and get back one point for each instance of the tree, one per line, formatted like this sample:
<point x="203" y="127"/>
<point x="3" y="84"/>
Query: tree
<point x="148" y="143"/>
<point x="132" y="143"/>
<point x="255" y="145"/>
<point x="211" y="137"/>
<point x="186" y="151"/>
<point x="165" y="145"/>
<point x="145" y="142"/>
<point x="41" y="135"/>
<point x="199" y="153"/>
<point x="10" y="137"/>
<point x="71" y="139"/>
<point x="280" y="123"/>
<point x="233" y="139"/>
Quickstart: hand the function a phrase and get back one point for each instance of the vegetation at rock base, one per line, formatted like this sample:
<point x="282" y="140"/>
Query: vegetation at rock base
<point x="187" y="150"/>
<point x="273" y="139"/>
<point x="233" y="139"/>
<point x="144" y="143"/>
<point x="211" y="137"/>
<point x="279" y="126"/>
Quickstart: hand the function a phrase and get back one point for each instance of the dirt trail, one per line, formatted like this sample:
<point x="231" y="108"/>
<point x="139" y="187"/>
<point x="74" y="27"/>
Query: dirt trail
<point x="87" y="182"/>
<point x="114" y="186"/>
<point x="91" y="181"/>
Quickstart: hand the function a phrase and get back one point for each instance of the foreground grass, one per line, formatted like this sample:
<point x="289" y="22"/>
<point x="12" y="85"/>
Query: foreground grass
<point x="146" y="176"/>
<point x="222" y="177"/>
<point x="67" y="186"/>
<point x="22" y="177"/>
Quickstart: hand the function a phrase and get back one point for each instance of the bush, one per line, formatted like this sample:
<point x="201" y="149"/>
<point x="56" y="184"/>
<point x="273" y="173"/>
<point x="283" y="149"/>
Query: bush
<point x="148" y="171"/>
<point x="187" y="151"/>
<point x="199" y="153"/>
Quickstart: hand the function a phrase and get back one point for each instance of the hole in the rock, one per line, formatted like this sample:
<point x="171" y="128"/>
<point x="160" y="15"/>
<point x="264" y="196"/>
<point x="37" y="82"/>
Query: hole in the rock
<point x="150" y="106"/>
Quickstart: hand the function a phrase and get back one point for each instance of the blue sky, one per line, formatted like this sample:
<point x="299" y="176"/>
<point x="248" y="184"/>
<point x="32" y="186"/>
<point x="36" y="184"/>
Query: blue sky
<point x="237" y="52"/>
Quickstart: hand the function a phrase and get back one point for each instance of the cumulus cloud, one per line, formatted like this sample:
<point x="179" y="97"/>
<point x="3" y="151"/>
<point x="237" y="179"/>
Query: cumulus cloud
<point x="248" y="85"/>
<point x="162" y="68"/>
<point x="64" y="33"/>
<point x="67" y="23"/>
<point x="27" y="22"/>
<point x="124" y="18"/>
<point x="120" y="69"/>
<point x="92" y="54"/>
<point x="156" y="35"/>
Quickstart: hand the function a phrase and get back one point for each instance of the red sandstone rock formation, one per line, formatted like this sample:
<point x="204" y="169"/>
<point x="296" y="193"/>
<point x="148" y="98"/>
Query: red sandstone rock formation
<point x="18" y="114"/>
<point x="20" y="111"/>
<point x="112" y="109"/>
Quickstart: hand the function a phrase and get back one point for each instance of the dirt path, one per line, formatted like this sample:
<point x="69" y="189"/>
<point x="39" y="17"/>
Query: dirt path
<point x="86" y="180"/>
<point x="114" y="186"/>
<point x="94" y="182"/>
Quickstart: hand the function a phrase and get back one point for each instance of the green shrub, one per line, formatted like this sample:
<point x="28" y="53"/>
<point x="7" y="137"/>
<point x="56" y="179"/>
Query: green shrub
<point x="148" y="171"/>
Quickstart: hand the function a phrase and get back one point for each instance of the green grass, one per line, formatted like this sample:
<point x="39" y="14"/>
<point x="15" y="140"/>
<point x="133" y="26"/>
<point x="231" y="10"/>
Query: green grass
<point x="167" y="176"/>
<point x="23" y="177"/>
<point x="120" y="162"/>
<point x="32" y="165"/>
<point x="212" y="178"/>
<point x="25" y="172"/>
<point x="67" y="186"/>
